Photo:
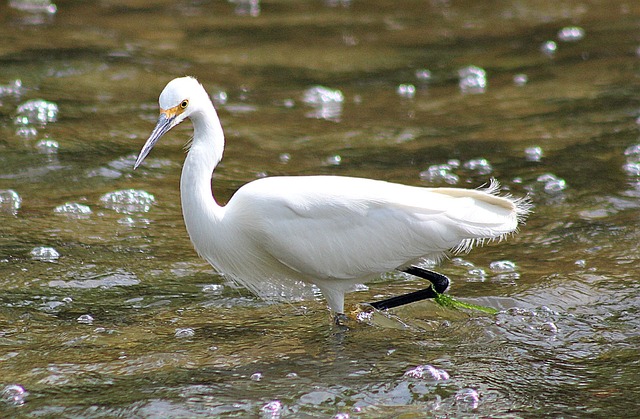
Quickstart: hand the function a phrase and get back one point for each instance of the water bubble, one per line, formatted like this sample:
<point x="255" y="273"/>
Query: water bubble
<point x="34" y="6"/>
<point x="327" y="103"/>
<point x="440" y="173"/>
<point x="12" y="89"/>
<point x="213" y="288"/>
<point x="36" y="111"/>
<point x="571" y="34"/>
<point x="472" y="79"/>
<point x="73" y="209"/>
<point x="128" y="201"/>
<point x="256" y="376"/>
<point x="349" y="40"/>
<point x="333" y="160"/>
<point x="186" y="332"/>
<point x="21" y="120"/>
<point x="341" y="415"/>
<point x="246" y="7"/>
<point x="10" y="201"/>
<point x="633" y="152"/>
<point x="47" y="146"/>
<point x="26" y="131"/>
<point x="507" y="277"/>
<point x="632" y="169"/>
<point x="453" y="163"/>
<point x="502" y="266"/>
<point x="549" y="48"/>
<point x="423" y="74"/>
<point x="546" y="177"/>
<point x="292" y="375"/>
<point x="85" y="319"/>
<point x="552" y="184"/>
<point x="288" y="103"/>
<point x="520" y="79"/>
<point x="427" y="372"/>
<point x="284" y="158"/>
<point x="45" y="254"/>
<point x="220" y="97"/>
<point x="481" y="166"/>
<point x="320" y="95"/>
<point x="468" y="396"/>
<point x="581" y="263"/>
<point x="407" y="91"/>
<point x="338" y="3"/>
<point x="555" y="186"/>
<point x="477" y="274"/>
<point x="14" y="395"/>
<point x="272" y="410"/>
<point x="533" y="153"/>
<point x="462" y="263"/>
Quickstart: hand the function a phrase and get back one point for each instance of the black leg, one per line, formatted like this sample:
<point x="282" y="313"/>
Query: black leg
<point x="440" y="283"/>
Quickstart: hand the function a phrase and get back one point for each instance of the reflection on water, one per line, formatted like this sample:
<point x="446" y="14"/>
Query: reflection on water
<point x="106" y="310"/>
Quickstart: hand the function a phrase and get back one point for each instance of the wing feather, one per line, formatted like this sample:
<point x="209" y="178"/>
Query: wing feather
<point x="348" y="228"/>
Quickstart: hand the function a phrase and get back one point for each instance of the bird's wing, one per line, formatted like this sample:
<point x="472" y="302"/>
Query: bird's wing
<point x="347" y="228"/>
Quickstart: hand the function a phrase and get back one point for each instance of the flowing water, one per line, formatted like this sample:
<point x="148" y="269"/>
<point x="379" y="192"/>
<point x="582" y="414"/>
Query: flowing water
<point x="107" y="311"/>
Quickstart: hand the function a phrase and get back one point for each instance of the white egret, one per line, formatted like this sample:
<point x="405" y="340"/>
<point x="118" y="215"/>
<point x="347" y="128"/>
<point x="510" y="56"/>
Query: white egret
<point x="330" y="231"/>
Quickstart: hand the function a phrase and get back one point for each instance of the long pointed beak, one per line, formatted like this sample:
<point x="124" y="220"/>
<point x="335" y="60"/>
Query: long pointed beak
<point x="165" y="123"/>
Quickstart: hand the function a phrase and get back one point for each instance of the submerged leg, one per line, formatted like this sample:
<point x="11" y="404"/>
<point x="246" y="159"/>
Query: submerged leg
<point x="439" y="282"/>
<point x="339" y="319"/>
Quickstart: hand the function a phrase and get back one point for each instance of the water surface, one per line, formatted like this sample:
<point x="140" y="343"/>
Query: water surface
<point x="106" y="310"/>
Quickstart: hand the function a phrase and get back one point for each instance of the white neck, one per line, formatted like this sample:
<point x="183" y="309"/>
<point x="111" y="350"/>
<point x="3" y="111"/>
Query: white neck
<point x="200" y="210"/>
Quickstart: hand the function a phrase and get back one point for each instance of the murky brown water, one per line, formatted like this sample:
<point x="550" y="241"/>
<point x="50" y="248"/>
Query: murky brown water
<point x="129" y="322"/>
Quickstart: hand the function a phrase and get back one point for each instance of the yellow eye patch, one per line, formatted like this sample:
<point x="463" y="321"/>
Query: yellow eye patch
<point x="176" y="110"/>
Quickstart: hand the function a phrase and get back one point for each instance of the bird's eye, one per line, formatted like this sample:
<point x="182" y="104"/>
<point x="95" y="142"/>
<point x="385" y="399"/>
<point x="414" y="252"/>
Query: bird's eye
<point x="184" y="104"/>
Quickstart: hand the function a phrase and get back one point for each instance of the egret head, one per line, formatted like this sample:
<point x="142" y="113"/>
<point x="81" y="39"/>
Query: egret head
<point x="179" y="99"/>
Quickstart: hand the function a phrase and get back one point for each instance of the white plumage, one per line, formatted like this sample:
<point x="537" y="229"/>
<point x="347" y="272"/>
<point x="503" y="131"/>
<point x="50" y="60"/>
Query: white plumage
<point x="330" y="231"/>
